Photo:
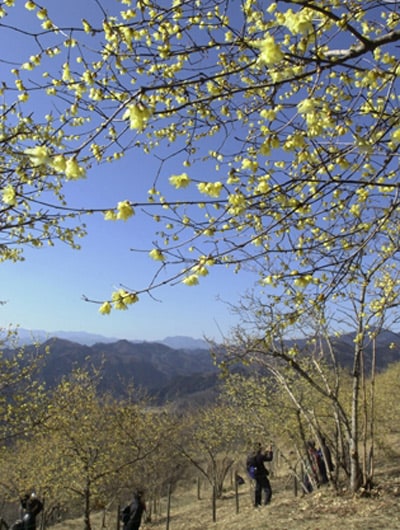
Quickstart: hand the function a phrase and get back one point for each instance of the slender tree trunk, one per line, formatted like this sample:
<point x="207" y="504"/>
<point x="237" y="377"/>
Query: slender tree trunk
<point x="168" y="506"/>
<point x="365" y="422"/>
<point x="370" y="461"/>
<point x="237" y="492"/>
<point x="87" y="524"/>
<point x="214" y="504"/>
<point x="353" y="442"/>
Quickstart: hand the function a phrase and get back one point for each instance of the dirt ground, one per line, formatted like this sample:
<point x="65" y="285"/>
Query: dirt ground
<point x="324" y="509"/>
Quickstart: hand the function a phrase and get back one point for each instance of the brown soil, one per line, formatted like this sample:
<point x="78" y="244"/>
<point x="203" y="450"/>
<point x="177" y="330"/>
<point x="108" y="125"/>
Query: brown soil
<point x="324" y="509"/>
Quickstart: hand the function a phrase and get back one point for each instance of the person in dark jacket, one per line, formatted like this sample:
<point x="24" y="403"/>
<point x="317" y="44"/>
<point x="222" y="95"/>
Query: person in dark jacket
<point x="263" y="484"/>
<point x="31" y="506"/>
<point x="132" y="513"/>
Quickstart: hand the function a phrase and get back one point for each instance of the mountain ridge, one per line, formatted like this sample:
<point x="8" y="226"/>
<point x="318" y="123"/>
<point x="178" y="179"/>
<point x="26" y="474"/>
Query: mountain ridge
<point x="167" y="374"/>
<point x="152" y="367"/>
<point x="31" y="336"/>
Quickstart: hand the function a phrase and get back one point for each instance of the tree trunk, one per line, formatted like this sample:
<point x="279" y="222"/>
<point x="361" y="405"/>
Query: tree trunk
<point x="353" y="442"/>
<point x="87" y="524"/>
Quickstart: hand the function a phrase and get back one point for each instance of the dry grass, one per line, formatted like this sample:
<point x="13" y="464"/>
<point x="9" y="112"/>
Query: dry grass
<point x="322" y="510"/>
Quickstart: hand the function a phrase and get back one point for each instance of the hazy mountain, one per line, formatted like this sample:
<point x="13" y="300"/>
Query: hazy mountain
<point x="185" y="343"/>
<point x="30" y="336"/>
<point x="184" y="375"/>
<point x="26" y="336"/>
<point x="149" y="365"/>
<point x="387" y="349"/>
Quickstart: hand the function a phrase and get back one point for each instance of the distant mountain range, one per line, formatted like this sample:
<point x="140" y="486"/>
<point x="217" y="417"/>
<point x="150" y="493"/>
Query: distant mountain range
<point x="26" y="336"/>
<point x="185" y="374"/>
<point x="387" y="349"/>
<point x="165" y="373"/>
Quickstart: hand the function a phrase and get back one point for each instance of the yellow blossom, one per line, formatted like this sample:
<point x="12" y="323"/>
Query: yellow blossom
<point x="110" y="215"/>
<point x="299" y="22"/>
<point x="125" y="210"/>
<point x="59" y="163"/>
<point x="252" y="165"/>
<point x="268" y="114"/>
<point x="303" y="281"/>
<point x="73" y="170"/>
<point x="66" y="74"/>
<point x="105" y="309"/>
<point x="179" y="181"/>
<point x="156" y="254"/>
<point x="191" y="280"/>
<point x="396" y="135"/>
<point x="137" y="115"/>
<point x="9" y="195"/>
<point x="38" y="155"/>
<point x="118" y="298"/>
<point x="270" y="52"/>
<point x="263" y="186"/>
<point x="42" y="13"/>
<point x="86" y="26"/>
<point x="122" y="298"/>
<point x="306" y="106"/>
<point x="268" y="280"/>
<point x="213" y="189"/>
<point x="201" y="270"/>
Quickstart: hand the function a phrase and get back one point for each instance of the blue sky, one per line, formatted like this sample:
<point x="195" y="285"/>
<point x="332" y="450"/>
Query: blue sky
<point x="45" y="291"/>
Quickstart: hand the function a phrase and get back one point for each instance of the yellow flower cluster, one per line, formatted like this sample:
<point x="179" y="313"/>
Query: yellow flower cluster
<point x="138" y="116"/>
<point x="248" y="164"/>
<point x="123" y="212"/>
<point x="212" y="189"/>
<point x="270" y="51"/>
<point x="156" y="254"/>
<point x="41" y="156"/>
<point x="73" y="170"/>
<point x="237" y="203"/>
<point x="303" y="281"/>
<point x="179" y="181"/>
<point x="120" y="300"/>
<point x="200" y="269"/>
<point x="306" y="106"/>
<point x="299" y="22"/>
<point x="191" y="280"/>
<point x="396" y="135"/>
<point x="9" y="195"/>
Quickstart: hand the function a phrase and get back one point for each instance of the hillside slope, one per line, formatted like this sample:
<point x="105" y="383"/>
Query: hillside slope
<point x="154" y="367"/>
<point x="170" y="374"/>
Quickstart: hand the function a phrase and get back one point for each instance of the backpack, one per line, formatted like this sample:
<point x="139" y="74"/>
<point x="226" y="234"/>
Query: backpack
<point x="251" y="466"/>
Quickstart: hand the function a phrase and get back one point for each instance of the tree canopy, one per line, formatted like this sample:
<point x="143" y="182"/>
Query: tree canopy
<point x="275" y="125"/>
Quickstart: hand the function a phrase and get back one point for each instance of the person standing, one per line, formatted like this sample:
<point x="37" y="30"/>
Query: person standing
<point x="132" y="513"/>
<point x="31" y="506"/>
<point x="263" y="485"/>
